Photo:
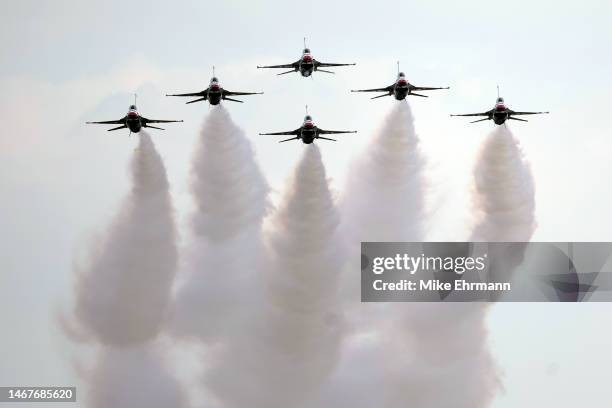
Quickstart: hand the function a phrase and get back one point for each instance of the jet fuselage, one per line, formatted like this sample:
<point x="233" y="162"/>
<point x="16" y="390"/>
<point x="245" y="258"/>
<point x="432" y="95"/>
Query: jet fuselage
<point x="308" y="133"/>
<point x="306" y="66"/>
<point x="215" y="93"/>
<point x="401" y="88"/>
<point x="400" y="92"/>
<point x="500" y="113"/>
<point x="500" y="117"/>
<point x="133" y="122"/>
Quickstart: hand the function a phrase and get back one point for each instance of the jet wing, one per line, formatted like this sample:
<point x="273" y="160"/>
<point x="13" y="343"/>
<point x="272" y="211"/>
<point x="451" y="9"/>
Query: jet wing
<point x="526" y="113"/>
<point x="201" y="93"/>
<point x="109" y="122"/>
<point x="290" y="132"/>
<point x="292" y="65"/>
<point x="331" y="132"/>
<point x="387" y="89"/>
<point x="331" y="64"/>
<point x="145" y="120"/>
<point x="427" y="88"/>
<point x="487" y="113"/>
<point x="230" y="93"/>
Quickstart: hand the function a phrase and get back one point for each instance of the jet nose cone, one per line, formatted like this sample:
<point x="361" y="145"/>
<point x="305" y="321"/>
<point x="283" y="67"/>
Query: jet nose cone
<point x="308" y="125"/>
<point x="307" y="58"/>
<point x="214" y="87"/>
<point x="402" y="82"/>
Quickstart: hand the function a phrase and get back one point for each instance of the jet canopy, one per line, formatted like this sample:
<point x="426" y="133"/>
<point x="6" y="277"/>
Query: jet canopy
<point x="132" y="107"/>
<point x="401" y="74"/>
<point x="500" y="100"/>
<point x="214" y="79"/>
<point x="306" y="50"/>
<point x="307" y="117"/>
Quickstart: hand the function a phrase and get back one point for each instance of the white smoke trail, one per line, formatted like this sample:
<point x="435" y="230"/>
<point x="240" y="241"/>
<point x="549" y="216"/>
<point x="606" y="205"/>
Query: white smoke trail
<point x="134" y="376"/>
<point x="438" y="356"/>
<point x="230" y="196"/>
<point x="384" y="195"/>
<point x="123" y="292"/>
<point x="420" y="349"/>
<point x="229" y="190"/>
<point x="295" y="341"/>
<point x="451" y="347"/>
<point x="503" y="193"/>
<point x="383" y="201"/>
<point x="504" y="207"/>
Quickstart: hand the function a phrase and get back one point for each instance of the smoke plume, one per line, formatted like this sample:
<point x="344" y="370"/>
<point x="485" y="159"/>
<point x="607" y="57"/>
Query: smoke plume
<point x="123" y="293"/>
<point x="294" y="340"/>
<point x="430" y="355"/>
<point x="383" y="199"/>
<point x="384" y="195"/>
<point x="230" y="196"/>
<point x="503" y="192"/>
<point x="134" y="376"/>
<point x="451" y="347"/>
<point x="227" y="185"/>
<point x="438" y="356"/>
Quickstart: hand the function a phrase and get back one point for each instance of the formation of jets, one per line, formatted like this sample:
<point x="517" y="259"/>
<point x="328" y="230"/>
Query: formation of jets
<point x="308" y="131"/>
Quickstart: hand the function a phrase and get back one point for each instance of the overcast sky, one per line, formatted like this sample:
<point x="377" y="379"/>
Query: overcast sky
<point x="63" y="63"/>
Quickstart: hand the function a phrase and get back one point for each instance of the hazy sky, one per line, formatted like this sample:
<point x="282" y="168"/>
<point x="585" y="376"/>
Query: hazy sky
<point x="62" y="63"/>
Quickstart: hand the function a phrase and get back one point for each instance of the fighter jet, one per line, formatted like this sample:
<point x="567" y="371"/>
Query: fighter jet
<point x="400" y="89"/>
<point x="215" y="93"/>
<point x="500" y="113"/>
<point x="306" y="65"/>
<point x="133" y="121"/>
<point x="308" y="132"/>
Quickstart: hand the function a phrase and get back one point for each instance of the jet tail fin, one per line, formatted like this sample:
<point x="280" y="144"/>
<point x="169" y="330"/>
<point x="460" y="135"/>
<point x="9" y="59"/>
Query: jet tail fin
<point x="154" y="127"/>
<point x="288" y="72"/>
<point x="480" y="120"/>
<point x="522" y="120"/>
<point x="380" y="96"/>
<point x="422" y="96"/>
<point x="327" y="72"/>
<point x="326" y="138"/>
<point x="288" y="140"/>
<point x="233" y="100"/>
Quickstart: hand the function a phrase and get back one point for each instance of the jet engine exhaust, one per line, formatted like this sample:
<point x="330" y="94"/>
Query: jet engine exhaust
<point x="220" y="262"/>
<point x="503" y="192"/>
<point x="292" y="343"/>
<point x="123" y="290"/>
